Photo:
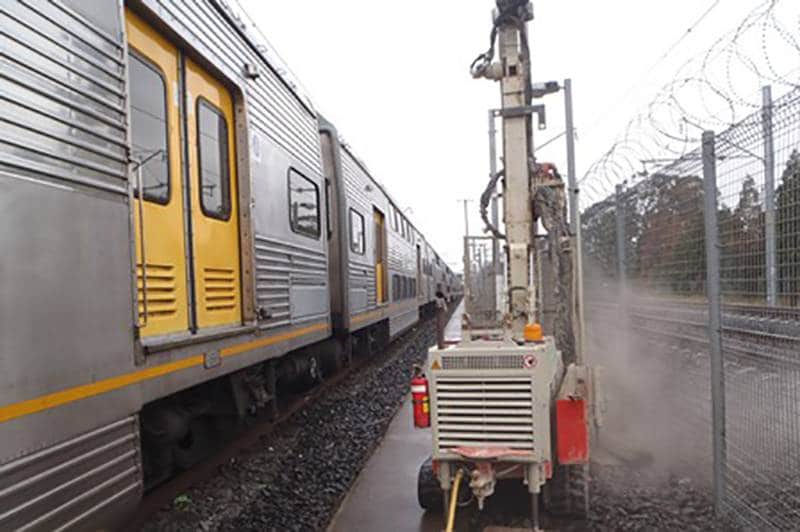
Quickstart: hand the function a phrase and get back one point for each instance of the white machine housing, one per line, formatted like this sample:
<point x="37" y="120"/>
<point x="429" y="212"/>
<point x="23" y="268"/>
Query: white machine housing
<point x="492" y="401"/>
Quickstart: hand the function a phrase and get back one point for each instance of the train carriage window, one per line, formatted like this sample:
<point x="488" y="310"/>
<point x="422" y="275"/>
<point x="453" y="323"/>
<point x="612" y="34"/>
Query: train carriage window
<point x="214" y="167"/>
<point x="394" y="218"/>
<point x="303" y="205"/>
<point x="357" y="236"/>
<point x="149" y="132"/>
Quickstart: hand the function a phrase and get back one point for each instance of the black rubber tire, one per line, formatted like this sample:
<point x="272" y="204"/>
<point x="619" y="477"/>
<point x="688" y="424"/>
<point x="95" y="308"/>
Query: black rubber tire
<point x="567" y="493"/>
<point x="429" y="491"/>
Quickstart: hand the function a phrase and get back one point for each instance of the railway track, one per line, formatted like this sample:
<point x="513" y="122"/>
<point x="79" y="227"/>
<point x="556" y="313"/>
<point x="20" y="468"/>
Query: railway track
<point x="758" y="333"/>
<point x="263" y="428"/>
<point x="739" y="309"/>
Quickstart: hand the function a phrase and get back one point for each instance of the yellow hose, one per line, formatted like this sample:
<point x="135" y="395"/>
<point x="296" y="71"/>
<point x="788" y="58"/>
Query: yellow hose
<point x="451" y="514"/>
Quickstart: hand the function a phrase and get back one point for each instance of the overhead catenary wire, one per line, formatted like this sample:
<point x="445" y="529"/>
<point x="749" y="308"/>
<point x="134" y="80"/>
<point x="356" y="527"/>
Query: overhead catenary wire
<point x="657" y="63"/>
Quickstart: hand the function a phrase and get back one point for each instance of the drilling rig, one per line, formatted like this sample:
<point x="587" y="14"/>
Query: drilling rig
<point x="514" y="400"/>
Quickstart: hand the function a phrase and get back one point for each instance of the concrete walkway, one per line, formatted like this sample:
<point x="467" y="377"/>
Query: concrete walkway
<point x="384" y="497"/>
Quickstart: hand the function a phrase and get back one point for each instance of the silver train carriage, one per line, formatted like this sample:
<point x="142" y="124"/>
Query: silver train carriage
<point x="181" y="234"/>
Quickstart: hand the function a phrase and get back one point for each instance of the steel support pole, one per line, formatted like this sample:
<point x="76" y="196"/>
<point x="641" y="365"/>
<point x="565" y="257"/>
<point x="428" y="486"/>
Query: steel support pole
<point x="574" y="207"/>
<point x="575" y="222"/>
<point x="713" y="290"/>
<point x="496" y="282"/>
<point x="769" y="198"/>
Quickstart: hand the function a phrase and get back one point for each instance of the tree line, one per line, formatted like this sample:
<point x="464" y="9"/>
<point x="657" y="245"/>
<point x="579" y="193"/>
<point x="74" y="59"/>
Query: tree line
<point x="665" y="237"/>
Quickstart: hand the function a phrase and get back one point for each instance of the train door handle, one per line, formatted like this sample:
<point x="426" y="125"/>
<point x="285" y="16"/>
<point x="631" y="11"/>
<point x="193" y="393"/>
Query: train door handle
<point x="142" y="248"/>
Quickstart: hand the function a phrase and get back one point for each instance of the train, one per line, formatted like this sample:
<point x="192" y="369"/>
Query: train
<point x="183" y="234"/>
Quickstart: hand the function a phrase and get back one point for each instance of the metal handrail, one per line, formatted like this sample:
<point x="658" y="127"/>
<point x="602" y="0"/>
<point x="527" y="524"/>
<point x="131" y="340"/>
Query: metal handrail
<point x="142" y="248"/>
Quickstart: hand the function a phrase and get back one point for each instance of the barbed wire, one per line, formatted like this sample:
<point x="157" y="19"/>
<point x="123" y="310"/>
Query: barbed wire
<point x="714" y="89"/>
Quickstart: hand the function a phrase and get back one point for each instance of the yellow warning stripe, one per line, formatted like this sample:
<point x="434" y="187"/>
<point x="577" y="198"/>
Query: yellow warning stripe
<point x="70" y="395"/>
<point x="366" y="315"/>
<point x="358" y="318"/>
<point x="263" y="342"/>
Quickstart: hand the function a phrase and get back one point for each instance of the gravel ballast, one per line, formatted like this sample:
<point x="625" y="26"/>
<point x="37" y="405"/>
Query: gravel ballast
<point x="296" y="480"/>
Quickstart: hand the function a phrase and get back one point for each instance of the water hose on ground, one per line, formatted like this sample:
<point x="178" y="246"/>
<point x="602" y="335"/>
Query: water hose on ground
<point x="451" y="514"/>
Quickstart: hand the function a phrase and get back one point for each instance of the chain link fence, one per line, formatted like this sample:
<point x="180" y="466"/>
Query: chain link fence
<point x="647" y="285"/>
<point x="481" y="271"/>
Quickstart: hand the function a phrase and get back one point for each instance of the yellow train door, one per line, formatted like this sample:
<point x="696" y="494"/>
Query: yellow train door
<point x="380" y="256"/>
<point x="213" y="191"/>
<point x="156" y="169"/>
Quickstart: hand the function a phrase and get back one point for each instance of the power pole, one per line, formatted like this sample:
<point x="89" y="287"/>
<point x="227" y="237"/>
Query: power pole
<point x="466" y="215"/>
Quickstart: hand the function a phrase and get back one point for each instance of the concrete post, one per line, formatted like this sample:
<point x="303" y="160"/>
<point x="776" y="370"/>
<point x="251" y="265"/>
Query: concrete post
<point x="713" y="290"/>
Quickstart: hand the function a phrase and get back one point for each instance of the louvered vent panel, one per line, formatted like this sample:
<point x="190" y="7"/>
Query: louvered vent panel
<point x="161" y="297"/>
<point x="219" y="289"/>
<point x="482" y="362"/>
<point x="487" y="412"/>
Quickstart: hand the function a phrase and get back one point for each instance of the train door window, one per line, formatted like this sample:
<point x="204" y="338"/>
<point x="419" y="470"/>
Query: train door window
<point x="394" y="218"/>
<point x="357" y="237"/>
<point x="303" y="205"/>
<point x="395" y="287"/>
<point x="212" y="145"/>
<point x="149" y="131"/>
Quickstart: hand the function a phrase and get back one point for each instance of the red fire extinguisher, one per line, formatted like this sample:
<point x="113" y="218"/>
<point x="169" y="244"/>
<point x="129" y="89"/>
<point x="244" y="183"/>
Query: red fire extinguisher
<point x="420" y="399"/>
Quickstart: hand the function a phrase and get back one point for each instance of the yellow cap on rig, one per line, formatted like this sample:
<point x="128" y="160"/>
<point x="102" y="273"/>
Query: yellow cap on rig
<point x="533" y="332"/>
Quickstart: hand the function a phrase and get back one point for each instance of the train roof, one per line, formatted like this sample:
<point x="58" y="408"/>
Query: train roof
<point x="240" y="20"/>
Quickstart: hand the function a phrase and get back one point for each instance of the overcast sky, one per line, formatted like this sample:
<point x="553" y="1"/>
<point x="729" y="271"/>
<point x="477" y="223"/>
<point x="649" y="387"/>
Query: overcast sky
<point x="393" y="77"/>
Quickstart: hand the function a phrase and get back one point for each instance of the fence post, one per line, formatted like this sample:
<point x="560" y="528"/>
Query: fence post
<point x="620" y="218"/>
<point x="769" y="197"/>
<point x="715" y="318"/>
